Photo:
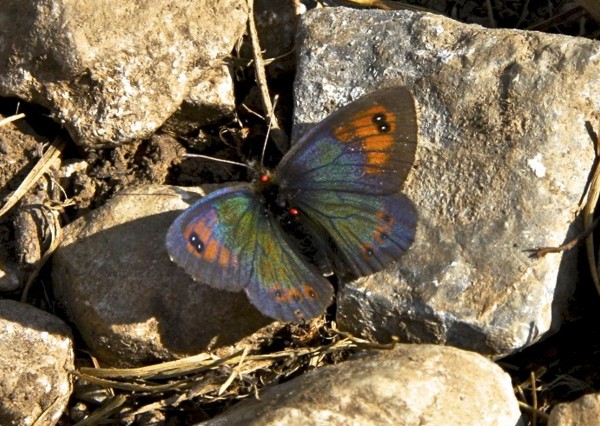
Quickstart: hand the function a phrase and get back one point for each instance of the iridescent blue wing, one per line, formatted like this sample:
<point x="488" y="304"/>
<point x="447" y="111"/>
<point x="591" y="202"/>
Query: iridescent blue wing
<point x="345" y="178"/>
<point x="366" y="232"/>
<point x="368" y="146"/>
<point x="229" y="241"/>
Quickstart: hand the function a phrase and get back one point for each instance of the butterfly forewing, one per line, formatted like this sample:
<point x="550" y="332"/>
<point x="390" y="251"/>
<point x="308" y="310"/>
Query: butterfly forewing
<point x="367" y="146"/>
<point x="229" y="241"/>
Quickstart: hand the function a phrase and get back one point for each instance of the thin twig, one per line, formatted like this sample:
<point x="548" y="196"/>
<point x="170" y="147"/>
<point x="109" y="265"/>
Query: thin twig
<point x="592" y="196"/>
<point x="10" y="119"/>
<point x="534" y="399"/>
<point x="108" y="407"/>
<point x="279" y="136"/>
<point x="389" y="5"/>
<point x="543" y="251"/>
<point x="264" y="149"/>
<point x="569" y="15"/>
<point x="490" y="11"/>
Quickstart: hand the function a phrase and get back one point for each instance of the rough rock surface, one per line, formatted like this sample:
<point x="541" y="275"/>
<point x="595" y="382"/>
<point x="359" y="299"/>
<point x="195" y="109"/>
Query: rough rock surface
<point x="130" y="303"/>
<point x="115" y="71"/>
<point x="36" y="358"/>
<point x="409" y="385"/>
<point x="503" y="160"/>
<point x="584" y="411"/>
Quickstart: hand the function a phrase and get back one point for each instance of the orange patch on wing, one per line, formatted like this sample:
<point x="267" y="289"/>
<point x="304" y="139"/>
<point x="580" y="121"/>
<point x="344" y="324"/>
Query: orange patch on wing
<point x="224" y="257"/>
<point x="211" y="249"/>
<point x="380" y="141"/>
<point x="376" y="159"/>
<point x="202" y="230"/>
<point x="386" y="222"/>
<point x="360" y="125"/>
<point x="309" y="292"/>
<point x="375" y="143"/>
<point x="286" y="296"/>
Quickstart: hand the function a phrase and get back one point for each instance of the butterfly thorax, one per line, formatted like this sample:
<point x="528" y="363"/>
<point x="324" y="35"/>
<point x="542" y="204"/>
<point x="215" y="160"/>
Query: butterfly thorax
<point x="267" y="189"/>
<point x="276" y="202"/>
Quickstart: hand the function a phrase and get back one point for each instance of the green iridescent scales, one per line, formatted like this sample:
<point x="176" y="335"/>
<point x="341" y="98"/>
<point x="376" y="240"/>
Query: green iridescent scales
<point x="252" y="253"/>
<point x="368" y="231"/>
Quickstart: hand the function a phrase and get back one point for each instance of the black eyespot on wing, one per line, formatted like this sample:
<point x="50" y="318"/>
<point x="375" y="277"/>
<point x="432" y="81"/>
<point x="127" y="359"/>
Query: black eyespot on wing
<point x="196" y="242"/>
<point x="381" y="122"/>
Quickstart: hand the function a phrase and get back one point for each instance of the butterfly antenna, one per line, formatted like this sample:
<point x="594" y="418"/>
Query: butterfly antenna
<point x="264" y="150"/>
<point x="206" y="157"/>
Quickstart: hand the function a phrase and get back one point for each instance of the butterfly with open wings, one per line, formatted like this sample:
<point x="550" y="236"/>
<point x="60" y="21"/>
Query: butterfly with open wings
<point x="333" y="204"/>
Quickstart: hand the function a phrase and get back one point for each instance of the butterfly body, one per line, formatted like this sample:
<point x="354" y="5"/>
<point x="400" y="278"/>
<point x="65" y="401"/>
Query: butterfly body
<point x="333" y="204"/>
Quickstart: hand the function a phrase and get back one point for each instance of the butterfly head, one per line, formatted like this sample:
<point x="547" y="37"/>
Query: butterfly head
<point x="268" y="189"/>
<point x="266" y="177"/>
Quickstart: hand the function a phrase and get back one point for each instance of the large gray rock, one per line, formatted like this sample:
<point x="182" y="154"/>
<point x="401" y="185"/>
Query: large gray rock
<point x="503" y="159"/>
<point x="130" y="303"/>
<point x="116" y="71"/>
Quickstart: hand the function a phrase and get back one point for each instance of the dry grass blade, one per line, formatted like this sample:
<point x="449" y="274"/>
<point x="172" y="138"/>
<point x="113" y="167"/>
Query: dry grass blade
<point x="534" y="399"/>
<point x="532" y="409"/>
<point x="10" y="119"/>
<point x="54" y="151"/>
<point x="168" y="369"/>
<point x="175" y="400"/>
<point x="573" y="384"/>
<point x="202" y="362"/>
<point x="53" y="221"/>
<point x="279" y="136"/>
<point x="588" y="214"/>
<point x="235" y="372"/>
<point x="490" y="10"/>
<point x="129" y="386"/>
<point x="569" y="15"/>
<point x="110" y="406"/>
<point x="210" y="379"/>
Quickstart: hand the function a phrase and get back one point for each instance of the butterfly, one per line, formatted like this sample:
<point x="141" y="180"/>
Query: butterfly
<point x="333" y="204"/>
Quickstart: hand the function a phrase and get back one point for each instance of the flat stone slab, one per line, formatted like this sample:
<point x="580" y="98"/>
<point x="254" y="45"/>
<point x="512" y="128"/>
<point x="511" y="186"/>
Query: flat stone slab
<point x="502" y="163"/>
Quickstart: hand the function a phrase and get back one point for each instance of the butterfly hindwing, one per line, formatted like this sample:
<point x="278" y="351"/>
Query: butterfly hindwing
<point x="229" y="241"/>
<point x="346" y="176"/>
<point x="368" y="231"/>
